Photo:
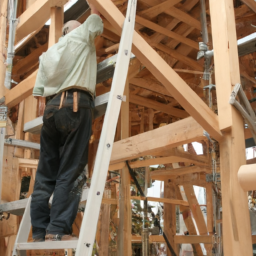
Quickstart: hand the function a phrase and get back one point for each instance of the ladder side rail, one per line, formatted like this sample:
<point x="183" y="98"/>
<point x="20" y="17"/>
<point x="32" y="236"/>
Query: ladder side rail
<point x="91" y="214"/>
<point x="24" y="229"/>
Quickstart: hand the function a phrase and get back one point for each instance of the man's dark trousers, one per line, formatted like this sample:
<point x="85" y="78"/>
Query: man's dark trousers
<point x="63" y="156"/>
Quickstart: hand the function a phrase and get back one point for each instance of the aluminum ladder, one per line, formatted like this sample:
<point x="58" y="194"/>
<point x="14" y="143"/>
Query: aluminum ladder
<point x="84" y="245"/>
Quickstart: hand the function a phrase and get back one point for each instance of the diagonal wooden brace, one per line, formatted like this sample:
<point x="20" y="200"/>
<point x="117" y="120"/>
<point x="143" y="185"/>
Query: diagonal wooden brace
<point x="244" y="108"/>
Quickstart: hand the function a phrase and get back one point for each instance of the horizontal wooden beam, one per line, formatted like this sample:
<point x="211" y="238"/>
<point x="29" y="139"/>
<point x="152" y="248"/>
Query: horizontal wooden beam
<point x="20" y="91"/>
<point x="197" y="179"/>
<point x="157" y="140"/>
<point x="165" y="160"/>
<point x="188" y="99"/>
<point x="35" y="17"/>
<point x="193" y="239"/>
<point x="23" y="65"/>
<point x="152" y="239"/>
<point x="162" y="200"/>
<point x="141" y="101"/>
<point x="170" y="173"/>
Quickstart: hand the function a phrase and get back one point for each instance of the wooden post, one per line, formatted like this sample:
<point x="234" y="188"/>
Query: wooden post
<point x="170" y="215"/>
<point x="150" y="119"/>
<point x="187" y="217"/>
<point x="56" y="25"/>
<point x="3" y="17"/>
<point x="236" y="222"/>
<point x="197" y="214"/>
<point x="124" y="230"/>
<point x="104" y="230"/>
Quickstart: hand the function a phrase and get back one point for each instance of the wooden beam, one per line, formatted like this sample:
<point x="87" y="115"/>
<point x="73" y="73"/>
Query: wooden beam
<point x="197" y="179"/>
<point x="170" y="173"/>
<point x="36" y="16"/>
<point x="177" y="13"/>
<point x="152" y="12"/>
<point x="141" y="101"/>
<point x="160" y="139"/>
<point x="166" y="32"/>
<point x="189" y="100"/>
<point x="161" y="200"/>
<point x="124" y="229"/>
<point x="189" y="222"/>
<point x="165" y="160"/>
<point x="236" y="221"/>
<point x="152" y="239"/>
<point x="197" y="212"/>
<point x="170" y="215"/>
<point x="172" y="24"/>
<point x="110" y="35"/>
<point x="20" y="91"/>
<point x="251" y="4"/>
<point x="150" y="84"/>
<point x="193" y="239"/>
<point x="178" y="56"/>
<point x="23" y="65"/>
<point x="57" y="16"/>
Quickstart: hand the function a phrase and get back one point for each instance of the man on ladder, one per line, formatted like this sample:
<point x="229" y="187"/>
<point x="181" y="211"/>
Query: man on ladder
<point x="68" y="72"/>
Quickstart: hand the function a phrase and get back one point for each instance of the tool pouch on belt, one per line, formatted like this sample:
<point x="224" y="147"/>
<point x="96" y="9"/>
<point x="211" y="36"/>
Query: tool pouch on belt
<point x="75" y="100"/>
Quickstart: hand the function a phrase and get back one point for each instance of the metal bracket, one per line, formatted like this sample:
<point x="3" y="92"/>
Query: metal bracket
<point x="244" y="108"/>
<point x="4" y="215"/>
<point x="213" y="177"/>
<point x="3" y="115"/>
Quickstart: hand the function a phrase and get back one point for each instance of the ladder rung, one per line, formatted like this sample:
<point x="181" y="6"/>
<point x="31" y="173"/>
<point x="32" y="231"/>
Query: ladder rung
<point x="47" y="245"/>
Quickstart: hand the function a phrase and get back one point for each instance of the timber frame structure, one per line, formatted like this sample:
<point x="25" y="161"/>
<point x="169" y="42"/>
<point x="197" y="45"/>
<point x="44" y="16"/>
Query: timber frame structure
<point x="166" y="107"/>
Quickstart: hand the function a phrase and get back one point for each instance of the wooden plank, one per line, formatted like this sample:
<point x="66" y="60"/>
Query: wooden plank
<point x="236" y="221"/>
<point x="164" y="73"/>
<point x="251" y="4"/>
<point x="152" y="239"/>
<point x="157" y="140"/>
<point x="193" y="239"/>
<point x="36" y="16"/>
<point x="170" y="173"/>
<point x="161" y="200"/>
<point x="141" y="101"/>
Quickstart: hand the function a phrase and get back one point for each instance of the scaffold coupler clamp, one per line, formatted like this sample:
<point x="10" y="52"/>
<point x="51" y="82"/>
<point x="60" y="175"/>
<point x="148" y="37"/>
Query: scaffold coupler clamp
<point x="3" y="115"/>
<point x="4" y="215"/>
<point x="244" y="107"/>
